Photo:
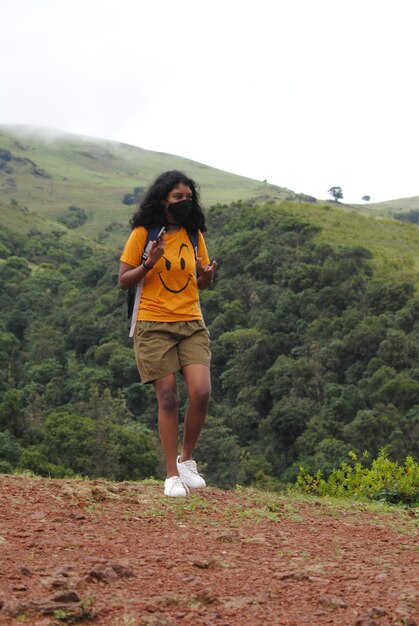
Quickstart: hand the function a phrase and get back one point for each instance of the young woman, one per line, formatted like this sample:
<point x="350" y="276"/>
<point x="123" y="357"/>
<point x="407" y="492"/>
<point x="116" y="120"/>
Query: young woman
<point x="170" y="334"/>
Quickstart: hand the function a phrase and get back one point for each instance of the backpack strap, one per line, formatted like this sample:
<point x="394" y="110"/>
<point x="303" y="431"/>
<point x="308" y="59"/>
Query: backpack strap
<point x="193" y="236"/>
<point x="151" y="236"/>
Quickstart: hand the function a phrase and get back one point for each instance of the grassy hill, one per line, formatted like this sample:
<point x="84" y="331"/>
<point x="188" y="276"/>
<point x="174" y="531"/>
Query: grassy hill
<point x="389" y="208"/>
<point x="394" y="244"/>
<point x="48" y="174"/>
<point x="45" y="175"/>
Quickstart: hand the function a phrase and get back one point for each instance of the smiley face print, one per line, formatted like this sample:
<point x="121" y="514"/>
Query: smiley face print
<point x="175" y="268"/>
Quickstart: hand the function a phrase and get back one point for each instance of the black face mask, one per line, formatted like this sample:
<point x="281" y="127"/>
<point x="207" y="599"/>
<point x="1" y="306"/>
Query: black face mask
<point x="180" y="210"/>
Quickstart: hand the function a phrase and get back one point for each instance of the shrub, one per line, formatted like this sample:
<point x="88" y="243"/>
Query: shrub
<point x="74" y="217"/>
<point x="135" y="196"/>
<point x="6" y="467"/>
<point x="385" y="480"/>
<point x="34" y="460"/>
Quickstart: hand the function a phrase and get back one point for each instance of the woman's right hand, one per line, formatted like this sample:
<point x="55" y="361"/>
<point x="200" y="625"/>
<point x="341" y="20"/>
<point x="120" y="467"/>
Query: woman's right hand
<point x="156" y="251"/>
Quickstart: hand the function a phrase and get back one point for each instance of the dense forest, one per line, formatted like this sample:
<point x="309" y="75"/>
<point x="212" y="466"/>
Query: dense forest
<point x="313" y="356"/>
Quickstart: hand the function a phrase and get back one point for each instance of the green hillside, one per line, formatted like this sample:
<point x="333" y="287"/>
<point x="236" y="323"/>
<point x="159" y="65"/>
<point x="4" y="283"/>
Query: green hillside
<point x="389" y="208"/>
<point x="313" y="319"/>
<point x="315" y="351"/>
<point x="49" y="175"/>
<point x="394" y="244"/>
<point x="41" y="177"/>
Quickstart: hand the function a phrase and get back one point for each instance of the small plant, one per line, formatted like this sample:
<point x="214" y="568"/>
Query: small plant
<point x="385" y="480"/>
<point x="64" y="616"/>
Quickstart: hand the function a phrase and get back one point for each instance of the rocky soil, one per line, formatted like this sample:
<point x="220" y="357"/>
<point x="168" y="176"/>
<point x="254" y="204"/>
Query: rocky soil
<point x="121" y="554"/>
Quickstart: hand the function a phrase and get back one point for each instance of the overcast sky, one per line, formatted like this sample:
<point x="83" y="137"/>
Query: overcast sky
<point x="307" y="94"/>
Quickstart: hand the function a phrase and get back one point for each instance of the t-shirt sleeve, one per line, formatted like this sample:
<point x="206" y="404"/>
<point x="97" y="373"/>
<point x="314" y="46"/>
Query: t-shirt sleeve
<point x="134" y="247"/>
<point x="202" y="249"/>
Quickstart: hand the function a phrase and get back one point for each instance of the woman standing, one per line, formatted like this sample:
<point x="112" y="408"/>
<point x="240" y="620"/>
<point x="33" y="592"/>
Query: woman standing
<point x="170" y="334"/>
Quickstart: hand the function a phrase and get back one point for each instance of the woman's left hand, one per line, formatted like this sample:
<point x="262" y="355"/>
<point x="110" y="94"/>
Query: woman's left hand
<point x="205" y="273"/>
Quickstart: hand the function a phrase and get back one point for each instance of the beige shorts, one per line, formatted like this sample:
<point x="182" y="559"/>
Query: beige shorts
<point x="163" y="348"/>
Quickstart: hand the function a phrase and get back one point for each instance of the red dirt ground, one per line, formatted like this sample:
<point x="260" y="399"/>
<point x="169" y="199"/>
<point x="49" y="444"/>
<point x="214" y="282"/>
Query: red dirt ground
<point x="121" y="554"/>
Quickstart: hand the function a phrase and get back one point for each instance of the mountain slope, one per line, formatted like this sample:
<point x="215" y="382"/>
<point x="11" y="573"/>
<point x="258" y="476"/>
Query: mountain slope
<point x="48" y="174"/>
<point x="42" y="175"/>
<point x="388" y="208"/>
<point x="393" y="243"/>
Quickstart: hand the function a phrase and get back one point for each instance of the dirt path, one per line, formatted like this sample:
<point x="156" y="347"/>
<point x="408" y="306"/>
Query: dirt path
<point x="123" y="555"/>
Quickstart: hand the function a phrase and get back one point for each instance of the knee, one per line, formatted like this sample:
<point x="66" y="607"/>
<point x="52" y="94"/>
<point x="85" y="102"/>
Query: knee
<point x="168" y="400"/>
<point x="201" y="398"/>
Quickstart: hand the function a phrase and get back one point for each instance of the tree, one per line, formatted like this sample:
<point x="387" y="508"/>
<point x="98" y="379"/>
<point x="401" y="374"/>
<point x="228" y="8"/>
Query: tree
<point x="383" y="425"/>
<point x="135" y="196"/>
<point x="336" y="192"/>
<point x="411" y="216"/>
<point x="74" y="217"/>
<point x="279" y="431"/>
<point x="67" y="441"/>
<point x="10" y="449"/>
<point x="12" y="416"/>
<point x="136" y="451"/>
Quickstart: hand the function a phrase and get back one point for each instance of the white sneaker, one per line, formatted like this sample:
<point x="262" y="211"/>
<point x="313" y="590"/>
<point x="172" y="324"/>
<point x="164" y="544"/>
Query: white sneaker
<point x="189" y="474"/>
<point x="174" y="487"/>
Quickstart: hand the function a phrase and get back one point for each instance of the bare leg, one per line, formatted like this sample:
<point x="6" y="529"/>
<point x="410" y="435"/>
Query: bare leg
<point x="168" y="410"/>
<point x="198" y="382"/>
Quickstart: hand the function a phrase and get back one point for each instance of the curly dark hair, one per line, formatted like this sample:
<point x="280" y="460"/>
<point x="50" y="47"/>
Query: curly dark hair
<point x="150" y="213"/>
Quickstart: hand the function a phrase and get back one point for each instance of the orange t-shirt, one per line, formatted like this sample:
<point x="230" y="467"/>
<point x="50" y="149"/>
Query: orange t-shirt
<point x="170" y="290"/>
